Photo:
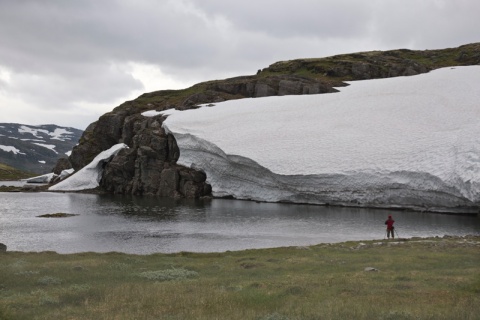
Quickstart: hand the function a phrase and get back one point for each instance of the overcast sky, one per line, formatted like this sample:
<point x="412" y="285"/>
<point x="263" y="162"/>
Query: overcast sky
<point x="69" y="62"/>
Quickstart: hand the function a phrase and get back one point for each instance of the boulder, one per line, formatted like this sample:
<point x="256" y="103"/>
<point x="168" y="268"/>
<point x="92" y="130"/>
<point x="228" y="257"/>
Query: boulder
<point x="62" y="164"/>
<point x="149" y="166"/>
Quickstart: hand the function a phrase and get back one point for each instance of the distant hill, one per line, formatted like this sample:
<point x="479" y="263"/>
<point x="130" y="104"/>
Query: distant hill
<point x="10" y="173"/>
<point x="35" y="149"/>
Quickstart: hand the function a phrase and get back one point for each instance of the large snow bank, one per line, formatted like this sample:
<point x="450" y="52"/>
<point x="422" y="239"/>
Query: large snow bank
<point x="89" y="176"/>
<point x="407" y="142"/>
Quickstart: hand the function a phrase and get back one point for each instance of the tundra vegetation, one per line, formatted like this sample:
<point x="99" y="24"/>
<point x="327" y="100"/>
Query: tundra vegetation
<point x="434" y="278"/>
<point x="10" y="173"/>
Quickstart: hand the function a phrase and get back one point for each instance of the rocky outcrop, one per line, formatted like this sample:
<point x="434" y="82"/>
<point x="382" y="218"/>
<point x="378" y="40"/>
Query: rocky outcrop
<point x="62" y="164"/>
<point x="280" y="85"/>
<point x="149" y="166"/>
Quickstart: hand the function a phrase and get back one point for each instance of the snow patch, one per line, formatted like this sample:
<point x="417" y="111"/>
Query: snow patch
<point x="153" y="113"/>
<point x="65" y="173"/>
<point x="32" y="131"/>
<point x="89" y="176"/>
<point x="398" y="142"/>
<point x="59" y="133"/>
<point x="11" y="149"/>
<point x="37" y="140"/>
<point x="46" y="178"/>
<point x="48" y="146"/>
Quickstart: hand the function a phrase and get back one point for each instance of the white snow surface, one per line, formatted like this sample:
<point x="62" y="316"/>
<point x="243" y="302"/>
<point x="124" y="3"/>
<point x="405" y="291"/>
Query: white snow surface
<point x="89" y="176"/>
<point x="57" y="134"/>
<point x="65" y="173"/>
<point x="32" y="131"/>
<point x="45" y="178"/>
<point x="398" y="142"/>
<point x="48" y="146"/>
<point x="11" y="149"/>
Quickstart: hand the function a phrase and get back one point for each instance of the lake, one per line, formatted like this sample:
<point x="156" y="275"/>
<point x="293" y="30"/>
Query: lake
<point x="144" y="225"/>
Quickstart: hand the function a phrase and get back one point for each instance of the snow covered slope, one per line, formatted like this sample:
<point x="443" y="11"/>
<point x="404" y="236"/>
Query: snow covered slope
<point x="398" y="142"/>
<point x="89" y="176"/>
<point x="35" y="148"/>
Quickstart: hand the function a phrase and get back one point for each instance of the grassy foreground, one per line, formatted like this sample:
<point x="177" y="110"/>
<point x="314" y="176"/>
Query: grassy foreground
<point x="436" y="278"/>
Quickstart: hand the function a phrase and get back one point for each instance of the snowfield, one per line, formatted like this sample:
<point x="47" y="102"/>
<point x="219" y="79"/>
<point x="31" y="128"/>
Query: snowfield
<point x="400" y="142"/>
<point x="61" y="134"/>
<point x="89" y="176"/>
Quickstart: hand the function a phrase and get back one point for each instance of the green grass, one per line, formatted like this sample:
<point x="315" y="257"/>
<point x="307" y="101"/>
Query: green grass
<point x="417" y="279"/>
<point x="10" y="173"/>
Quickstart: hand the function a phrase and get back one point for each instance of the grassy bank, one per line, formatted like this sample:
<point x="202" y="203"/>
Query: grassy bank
<point x="416" y="279"/>
<point x="10" y="173"/>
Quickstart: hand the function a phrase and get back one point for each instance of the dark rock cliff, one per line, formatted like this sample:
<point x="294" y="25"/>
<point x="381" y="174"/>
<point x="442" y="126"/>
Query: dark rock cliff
<point x="149" y="166"/>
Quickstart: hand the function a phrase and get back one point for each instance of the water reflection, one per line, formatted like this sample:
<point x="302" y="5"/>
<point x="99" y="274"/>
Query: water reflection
<point x="146" y="225"/>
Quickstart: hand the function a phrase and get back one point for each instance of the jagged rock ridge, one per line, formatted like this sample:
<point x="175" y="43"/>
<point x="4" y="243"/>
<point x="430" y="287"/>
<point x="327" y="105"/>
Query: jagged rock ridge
<point x="149" y="166"/>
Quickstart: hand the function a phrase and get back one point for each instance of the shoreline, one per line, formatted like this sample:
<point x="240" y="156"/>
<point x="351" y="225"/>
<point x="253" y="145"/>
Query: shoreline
<point x="359" y="243"/>
<point x="468" y="211"/>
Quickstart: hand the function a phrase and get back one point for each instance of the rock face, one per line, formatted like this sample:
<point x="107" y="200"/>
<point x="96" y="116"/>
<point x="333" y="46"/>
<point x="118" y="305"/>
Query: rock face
<point x="149" y="166"/>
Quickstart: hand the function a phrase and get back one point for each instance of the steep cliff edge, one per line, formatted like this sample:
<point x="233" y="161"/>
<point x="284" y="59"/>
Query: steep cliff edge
<point x="149" y="166"/>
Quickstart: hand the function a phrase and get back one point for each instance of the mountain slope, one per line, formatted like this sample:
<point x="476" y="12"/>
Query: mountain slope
<point x="35" y="148"/>
<point x="149" y="166"/>
<point x="10" y="173"/>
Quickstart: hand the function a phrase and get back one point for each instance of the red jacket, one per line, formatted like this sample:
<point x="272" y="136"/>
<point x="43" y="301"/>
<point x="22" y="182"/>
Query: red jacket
<point x="389" y="223"/>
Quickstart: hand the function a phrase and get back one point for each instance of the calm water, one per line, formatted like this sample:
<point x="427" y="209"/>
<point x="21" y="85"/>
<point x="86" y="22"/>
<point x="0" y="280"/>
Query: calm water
<point x="147" y="225"/>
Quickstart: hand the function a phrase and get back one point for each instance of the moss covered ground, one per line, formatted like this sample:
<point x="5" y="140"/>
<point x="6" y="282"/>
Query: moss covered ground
<point x="436" y="278"/>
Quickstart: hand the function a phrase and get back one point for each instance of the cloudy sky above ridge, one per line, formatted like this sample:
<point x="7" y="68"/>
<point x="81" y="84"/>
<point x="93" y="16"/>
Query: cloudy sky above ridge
<point x="68" y="62"/>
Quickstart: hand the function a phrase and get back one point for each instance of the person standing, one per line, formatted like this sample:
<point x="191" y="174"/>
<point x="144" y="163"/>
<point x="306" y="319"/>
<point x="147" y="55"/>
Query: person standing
<point x="390" y="228"/>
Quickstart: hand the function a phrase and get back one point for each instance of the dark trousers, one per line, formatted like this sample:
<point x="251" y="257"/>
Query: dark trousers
<point x="390" y="232"/>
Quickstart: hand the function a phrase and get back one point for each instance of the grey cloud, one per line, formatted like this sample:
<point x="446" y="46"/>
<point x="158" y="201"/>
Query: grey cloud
<point x="64" y="91"/>
<point x="300" y="18"/>
<point x="61" y="53"/>
<point x="41" y="36"/>
<point x="428" y="24"/>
